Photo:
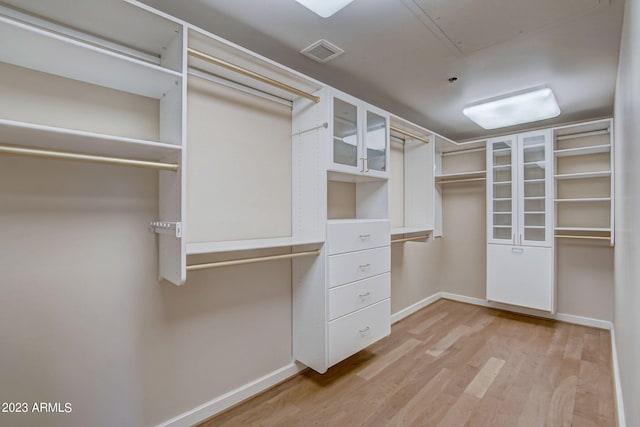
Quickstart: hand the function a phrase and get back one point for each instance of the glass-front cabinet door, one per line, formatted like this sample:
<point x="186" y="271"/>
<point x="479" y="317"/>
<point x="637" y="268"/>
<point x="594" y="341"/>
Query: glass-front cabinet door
<point x="360" y="144"/>
<point x="535" y="179"/>
<point x="501" y="190"/>
<point x="346" y="138"/>
<point x="376" y="142"/>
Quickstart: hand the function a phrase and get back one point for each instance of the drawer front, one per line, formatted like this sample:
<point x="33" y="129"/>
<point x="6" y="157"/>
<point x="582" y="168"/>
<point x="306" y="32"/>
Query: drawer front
<point x="353" y="332"/>
<point x="354" y="296"/>
<point x="356" y="236"/>
<point x="347" y="268"/>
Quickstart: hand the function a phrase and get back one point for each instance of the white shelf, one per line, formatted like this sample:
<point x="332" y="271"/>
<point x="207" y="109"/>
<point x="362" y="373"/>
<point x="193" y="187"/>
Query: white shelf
<point x="461" y="175"/>
<point x="534" y="212"/>
<point x="31" y="47"/>
<point x="502" y="213"/>
<point x="502" y="166"/>
<point x="410" y="230"/>
<point x="586" y="199"/>
<point x="502" y="226"/>
<point x="535" y="198"/>
<point x="54" y="138"/>
<point x="532" y="181"/>
<point x="535" y="227"/>
<point x="583" y="151"/>
<point x="501" y="182"/>
<point x="593" y="229"/>
<point x="582" y="175"/>
<point x="245" y="245"/>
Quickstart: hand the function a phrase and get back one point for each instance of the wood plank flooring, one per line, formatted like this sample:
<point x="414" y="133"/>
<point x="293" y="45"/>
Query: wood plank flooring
<point x="452" y="364"/>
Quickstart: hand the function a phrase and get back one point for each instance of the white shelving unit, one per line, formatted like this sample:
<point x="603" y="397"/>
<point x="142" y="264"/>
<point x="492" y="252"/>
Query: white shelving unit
<point x="411" y="182"/>
<point x="143" y="58"/>
<point x="584" y="185"/>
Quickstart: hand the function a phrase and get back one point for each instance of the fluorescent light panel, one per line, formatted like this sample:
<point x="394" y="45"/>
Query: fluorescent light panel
<point x="525" y="107"/>
<point x="324" y="8"/>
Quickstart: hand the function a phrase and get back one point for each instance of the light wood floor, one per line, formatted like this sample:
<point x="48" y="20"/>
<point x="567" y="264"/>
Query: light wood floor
<point x="452" y="364"/>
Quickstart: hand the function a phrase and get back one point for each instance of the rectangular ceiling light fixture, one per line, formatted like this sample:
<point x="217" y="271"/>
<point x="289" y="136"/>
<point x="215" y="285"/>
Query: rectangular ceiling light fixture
<point x="324" y="8"/>
<point x="514" y="109"/>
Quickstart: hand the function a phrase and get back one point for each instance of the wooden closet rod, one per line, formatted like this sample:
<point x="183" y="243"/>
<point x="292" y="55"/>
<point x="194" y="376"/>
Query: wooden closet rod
<point x="50" y="154"/>
<point x="450" y="181"/>
<point x="409" y="134"/>
<point x="194" y="267"/>
<point x="406" y="239"/>
<point x="251" y="74"/>
<point x="567" y="236"/>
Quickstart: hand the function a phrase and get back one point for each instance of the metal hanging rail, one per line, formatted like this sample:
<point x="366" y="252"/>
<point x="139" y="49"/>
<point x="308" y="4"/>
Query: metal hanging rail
<point x="194" y="267"/>
<point x="409" y="134"/>
<point x="568" y="236"/>
<point x="451" y="181"/>
<point x="406" y="239"/>
<point x="50" y="154"/>
<point x="248" y="73"/>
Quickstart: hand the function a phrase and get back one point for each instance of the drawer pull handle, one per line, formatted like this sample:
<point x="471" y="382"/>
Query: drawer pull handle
<point x="365" y="330"/>
<point x="517" y="250"/>
<point x="366" y="294"/>
<point x="365" y="236"/>
<point x="364" y="266"/>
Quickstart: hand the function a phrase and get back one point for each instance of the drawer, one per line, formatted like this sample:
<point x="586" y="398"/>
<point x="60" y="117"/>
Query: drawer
<point x="354" y="296"/>
<point x="347" y="268"/>
<point x="356" y="235"/>
<point x="353" y="332"/>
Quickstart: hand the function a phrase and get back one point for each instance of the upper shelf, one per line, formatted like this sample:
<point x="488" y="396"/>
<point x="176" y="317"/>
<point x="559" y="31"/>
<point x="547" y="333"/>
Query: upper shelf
<point x="410" y="230"/>
<point x="28" y="46"/>
<point x="49" y="137"/>
<point x="583" y="151"/>
<point x="245" y="245"/>
<point x="461" y="175"/>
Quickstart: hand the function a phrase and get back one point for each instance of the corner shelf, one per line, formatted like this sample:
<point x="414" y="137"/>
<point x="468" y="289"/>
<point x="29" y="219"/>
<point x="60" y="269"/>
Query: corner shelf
<point x="49" y="137"/>
<point x="28" y="46"/>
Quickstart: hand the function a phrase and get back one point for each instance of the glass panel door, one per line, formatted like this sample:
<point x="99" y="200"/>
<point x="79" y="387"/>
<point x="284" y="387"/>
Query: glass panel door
<point x="345" y="133"/>
<point x="376" y="141"/>
<point x="501" y="190"/>
<point x="534" y="201"/>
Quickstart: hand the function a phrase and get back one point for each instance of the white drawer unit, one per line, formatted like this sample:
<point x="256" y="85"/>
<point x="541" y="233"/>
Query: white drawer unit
<point x="349" y="267"/>
<point x="347" y="235"/>
<point x="357" y="330"/>
<point x="354" y="296"/>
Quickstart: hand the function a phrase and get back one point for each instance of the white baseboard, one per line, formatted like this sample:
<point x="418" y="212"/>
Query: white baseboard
<point x="408" y="311"/>
<point x="227" y="400"/>
<point x="563" y="317"/>
<point x="622" y="422"/>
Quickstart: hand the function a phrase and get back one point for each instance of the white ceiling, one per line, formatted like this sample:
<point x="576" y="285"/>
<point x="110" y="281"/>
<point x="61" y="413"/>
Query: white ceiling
<point x="399" y="54"/>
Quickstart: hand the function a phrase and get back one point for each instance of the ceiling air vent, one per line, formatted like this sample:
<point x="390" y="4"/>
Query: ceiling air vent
<point x="322" y="51"/>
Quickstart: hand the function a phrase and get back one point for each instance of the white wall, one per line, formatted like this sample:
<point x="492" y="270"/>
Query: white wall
<point x="627" y="260"/>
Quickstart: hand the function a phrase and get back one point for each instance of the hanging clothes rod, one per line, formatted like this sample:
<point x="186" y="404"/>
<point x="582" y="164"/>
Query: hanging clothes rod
<point x="567" y="236"/>
<point x="248" y="73"/>
<point x="195" y="267"/>
<point x="581" y="134"/>
<point x="406" y="239"/>
<point x="409" y="134"/>
<point x="465" y="151"/>
<point x="50" y="154"/>
<point x="451" y="181"/>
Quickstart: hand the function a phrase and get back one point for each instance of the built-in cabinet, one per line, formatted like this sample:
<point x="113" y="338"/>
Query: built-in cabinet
<point x="520" y="220"/>
<point x="360" y="136"/>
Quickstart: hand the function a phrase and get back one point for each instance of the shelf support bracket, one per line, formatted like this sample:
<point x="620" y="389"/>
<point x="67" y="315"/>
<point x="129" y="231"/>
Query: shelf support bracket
<point x="166" y="227"/>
